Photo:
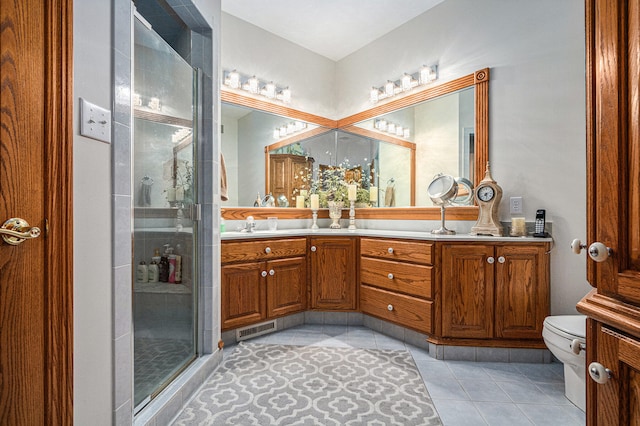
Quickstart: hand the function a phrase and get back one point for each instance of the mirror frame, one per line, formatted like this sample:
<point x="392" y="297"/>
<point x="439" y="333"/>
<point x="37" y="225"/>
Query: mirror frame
<point x="479" y="80"/>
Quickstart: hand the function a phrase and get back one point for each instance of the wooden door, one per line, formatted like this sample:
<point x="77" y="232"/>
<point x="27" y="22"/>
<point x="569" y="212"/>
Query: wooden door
<point x="467" y="290"/>
<point x="522" y="291"/>
<point x="279" y="177"/>
<point x="286" y="286"/>
<point x="36" y="279"/>
<point x="243" y="294"/>
<point x="333" y="273"/>
<point x="613" y="208"/>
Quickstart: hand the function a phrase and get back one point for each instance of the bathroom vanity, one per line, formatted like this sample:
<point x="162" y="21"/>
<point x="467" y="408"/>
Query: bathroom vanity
<point x="457" y="290"/>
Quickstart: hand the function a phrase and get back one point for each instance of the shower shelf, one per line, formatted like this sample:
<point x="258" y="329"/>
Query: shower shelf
<point x="164" y="288"/>
<point x="161" y="118"/>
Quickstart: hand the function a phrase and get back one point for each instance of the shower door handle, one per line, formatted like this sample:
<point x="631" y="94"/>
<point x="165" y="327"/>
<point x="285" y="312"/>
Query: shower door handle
<point x="15" y="230"/>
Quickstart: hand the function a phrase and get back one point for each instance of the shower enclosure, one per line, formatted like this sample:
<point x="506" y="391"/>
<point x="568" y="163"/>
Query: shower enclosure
<point x="163" y="177"/>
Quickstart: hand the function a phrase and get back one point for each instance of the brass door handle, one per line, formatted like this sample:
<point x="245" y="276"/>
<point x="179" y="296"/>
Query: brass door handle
<point x="15" y="230"/>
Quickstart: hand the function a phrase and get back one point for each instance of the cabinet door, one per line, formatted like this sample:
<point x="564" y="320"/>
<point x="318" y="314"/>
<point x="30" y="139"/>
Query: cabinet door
<point x="522" y="291"/>
<point x="286" y="286"/>
<point x="280" y="175"/>
<point x="243" y="294"/>
<point x="618" y="401"/>
<point x="333" y="273"/>
<point x="467" y="291"/>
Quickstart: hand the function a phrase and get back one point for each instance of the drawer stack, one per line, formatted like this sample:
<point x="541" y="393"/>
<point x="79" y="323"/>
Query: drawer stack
<point x="397" y="281"/>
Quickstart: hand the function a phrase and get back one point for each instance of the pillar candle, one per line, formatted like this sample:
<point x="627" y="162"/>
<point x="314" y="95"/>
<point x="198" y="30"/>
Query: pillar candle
<point x="373" y="194"/>
<point x="300" y="202"/>
<point x="352" y="192"/>
<point x="315" y="201"/>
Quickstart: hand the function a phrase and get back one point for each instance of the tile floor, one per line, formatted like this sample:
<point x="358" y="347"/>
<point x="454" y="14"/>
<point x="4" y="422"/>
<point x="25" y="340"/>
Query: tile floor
<point x="465" y="393"/>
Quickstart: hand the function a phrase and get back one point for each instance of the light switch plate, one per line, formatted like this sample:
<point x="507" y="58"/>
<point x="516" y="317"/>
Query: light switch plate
<point x="95" y="121"/>
<point x="516" y="205"/>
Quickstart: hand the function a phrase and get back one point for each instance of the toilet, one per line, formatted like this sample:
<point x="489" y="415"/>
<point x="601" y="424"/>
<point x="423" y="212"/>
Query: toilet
<point x="562" y="334"/>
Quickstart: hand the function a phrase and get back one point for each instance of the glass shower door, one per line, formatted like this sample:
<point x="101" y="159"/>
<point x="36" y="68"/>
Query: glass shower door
<point x="164" y="282"/>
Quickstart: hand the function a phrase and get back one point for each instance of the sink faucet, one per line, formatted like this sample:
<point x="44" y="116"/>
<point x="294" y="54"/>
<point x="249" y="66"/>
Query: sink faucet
<point x="250" y="224"/>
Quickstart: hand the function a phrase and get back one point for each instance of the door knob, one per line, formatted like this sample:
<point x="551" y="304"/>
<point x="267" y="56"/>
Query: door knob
<point x="599" y="252"/>
<point x="599" y="373"/>
<point x="15" y="230"/>
<point x="577" y="246"/>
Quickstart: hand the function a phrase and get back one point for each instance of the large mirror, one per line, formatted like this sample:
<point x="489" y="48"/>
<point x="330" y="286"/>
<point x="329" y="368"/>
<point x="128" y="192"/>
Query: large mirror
<point x="444" y="130"/>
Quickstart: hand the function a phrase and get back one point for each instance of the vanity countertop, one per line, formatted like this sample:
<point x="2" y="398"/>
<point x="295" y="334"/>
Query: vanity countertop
<point x="417" y="235"/>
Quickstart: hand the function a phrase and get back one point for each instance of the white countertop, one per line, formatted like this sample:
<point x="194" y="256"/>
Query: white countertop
<point x="417" y="235"/>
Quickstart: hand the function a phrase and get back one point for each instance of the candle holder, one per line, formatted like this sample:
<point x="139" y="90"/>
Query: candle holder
<point x="314" y="214"/>
<point x="352" y="215"/>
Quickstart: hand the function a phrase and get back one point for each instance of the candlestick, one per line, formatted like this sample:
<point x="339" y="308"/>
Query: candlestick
<point x="300" y="202"/>
<point x="352" y="215"/>
<point x="352" y="191"/>
<point x="314" y="213"/>
<point x="315" y="202"/>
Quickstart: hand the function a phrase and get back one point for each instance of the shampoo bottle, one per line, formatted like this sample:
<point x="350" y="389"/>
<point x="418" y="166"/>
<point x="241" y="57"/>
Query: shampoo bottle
<point x="172" y="268"/>
<point x="142" y="273"/>
<point x="153" y="272"/>
<point x="164" y="265"/>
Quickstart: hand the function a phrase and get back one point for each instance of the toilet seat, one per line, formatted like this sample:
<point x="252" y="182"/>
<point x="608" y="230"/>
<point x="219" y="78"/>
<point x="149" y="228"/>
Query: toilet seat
<point x="568" y="326"/>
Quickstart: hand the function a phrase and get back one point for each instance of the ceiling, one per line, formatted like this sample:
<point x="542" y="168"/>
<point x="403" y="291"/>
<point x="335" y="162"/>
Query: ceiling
<point x="331" y="28"/>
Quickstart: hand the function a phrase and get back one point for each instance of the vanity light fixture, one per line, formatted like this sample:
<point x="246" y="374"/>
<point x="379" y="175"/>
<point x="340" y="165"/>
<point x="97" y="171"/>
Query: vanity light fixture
<point x="382" y="125"/>
<point x="425" y="75"/>
<point x="270" y="90"/>
<point x="288" y="129"/>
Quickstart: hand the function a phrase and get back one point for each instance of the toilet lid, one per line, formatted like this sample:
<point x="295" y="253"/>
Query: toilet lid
<point x="575" y="325"/>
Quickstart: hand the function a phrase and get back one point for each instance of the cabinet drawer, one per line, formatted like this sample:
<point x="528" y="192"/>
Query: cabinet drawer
<point x="406" y="251"/>
<point x="404" y="310"/>
<point x="263" y="249"/>
<point x="415" y="280"/>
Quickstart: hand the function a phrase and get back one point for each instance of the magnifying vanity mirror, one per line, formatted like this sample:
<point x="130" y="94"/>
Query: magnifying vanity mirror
<point x="393" y="150"/>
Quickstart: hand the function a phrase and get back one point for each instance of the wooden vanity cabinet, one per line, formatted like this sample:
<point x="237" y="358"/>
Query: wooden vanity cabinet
<point x="397" y="281"/>
<point x="333" y="273"/>
<point x="494" y="291"/>
<point x="262" y="279"/>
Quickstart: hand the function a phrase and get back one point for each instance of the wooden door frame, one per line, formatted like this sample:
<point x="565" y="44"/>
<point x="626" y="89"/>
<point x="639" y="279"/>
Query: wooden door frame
<point x="58" y="193"/>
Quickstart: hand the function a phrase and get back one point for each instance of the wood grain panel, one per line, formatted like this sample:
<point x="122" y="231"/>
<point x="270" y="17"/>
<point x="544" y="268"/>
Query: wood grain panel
<point x="246" y="251"/>
<point x="36" y="336"/>
<point x="415" y="280"/>
<point x="425" y="94"/>
<point x="405" y="310"/>
<point x="389" y="213"/>
<point x="287" y="287"/>
<point x="522" y="291"/>
<point x="243" y="99"/>
<point x="243" y="295"/>
<point x="633" y="51"/>
<point x="401" y="250"/>
<point x="333" y="273"/>
<point x="467" y="291"/>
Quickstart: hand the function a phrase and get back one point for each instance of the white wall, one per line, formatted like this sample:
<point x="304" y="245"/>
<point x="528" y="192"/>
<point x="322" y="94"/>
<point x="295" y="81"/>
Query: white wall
<point x="92" y="306"/>
<point x="537" y="98"/>
<point x="251" y="50"/>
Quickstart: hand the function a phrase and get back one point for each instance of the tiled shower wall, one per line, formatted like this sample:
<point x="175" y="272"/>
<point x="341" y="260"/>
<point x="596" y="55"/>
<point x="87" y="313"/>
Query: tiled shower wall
<point x="204" y="55"/>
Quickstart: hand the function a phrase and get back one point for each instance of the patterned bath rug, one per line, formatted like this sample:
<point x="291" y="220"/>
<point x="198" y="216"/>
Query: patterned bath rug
<point x="263" y="384"/>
